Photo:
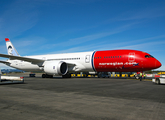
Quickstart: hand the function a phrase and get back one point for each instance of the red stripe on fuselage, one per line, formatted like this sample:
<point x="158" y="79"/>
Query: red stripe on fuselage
<point x="122" y="61"/>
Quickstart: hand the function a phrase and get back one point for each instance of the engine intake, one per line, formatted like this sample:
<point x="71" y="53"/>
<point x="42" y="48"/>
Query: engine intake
<point x="55" y="67"/>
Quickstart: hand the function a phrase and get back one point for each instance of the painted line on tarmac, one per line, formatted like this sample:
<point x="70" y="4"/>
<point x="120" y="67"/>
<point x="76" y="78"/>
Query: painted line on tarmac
<point x="139" y="79"/>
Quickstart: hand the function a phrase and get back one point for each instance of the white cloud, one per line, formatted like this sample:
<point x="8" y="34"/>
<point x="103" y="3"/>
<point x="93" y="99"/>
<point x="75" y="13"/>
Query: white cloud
<point x="18" y="17"/>
<point x="3" y="66"/>
<point x="147" y="13"/>
<point x="25" y="46"/>
<point x="84" y="39"/>
<point x="162" y="68"/>
<point x="146" y="45"/>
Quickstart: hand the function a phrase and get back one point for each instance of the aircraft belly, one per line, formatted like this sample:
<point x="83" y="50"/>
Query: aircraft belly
<point x="25" y="66"/>
<point x="80" y="66"/>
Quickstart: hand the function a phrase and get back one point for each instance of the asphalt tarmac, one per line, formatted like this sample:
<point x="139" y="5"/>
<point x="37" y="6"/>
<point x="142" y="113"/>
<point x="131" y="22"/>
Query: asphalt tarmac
<point x="82" y="99"/>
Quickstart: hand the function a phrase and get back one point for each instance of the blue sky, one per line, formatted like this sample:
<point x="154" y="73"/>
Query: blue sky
<point x="38" y="27"/>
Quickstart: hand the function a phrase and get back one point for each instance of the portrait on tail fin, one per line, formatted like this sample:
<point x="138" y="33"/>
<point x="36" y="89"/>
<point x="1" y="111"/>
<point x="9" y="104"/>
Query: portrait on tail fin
<point x="10" y="48"/>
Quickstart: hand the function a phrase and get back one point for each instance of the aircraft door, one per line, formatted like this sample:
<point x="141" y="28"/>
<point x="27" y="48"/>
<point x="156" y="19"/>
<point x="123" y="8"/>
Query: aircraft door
<point x="87" y="59"/>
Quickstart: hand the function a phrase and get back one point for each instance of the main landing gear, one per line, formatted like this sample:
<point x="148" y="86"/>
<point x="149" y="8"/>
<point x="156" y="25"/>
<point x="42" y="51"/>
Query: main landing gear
<point x="68" y="75"/>
<point x="47" y="76"/>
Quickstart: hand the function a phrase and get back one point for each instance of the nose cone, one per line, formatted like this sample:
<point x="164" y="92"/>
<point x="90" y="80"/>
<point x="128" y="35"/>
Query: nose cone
<point x="157" y="64"/>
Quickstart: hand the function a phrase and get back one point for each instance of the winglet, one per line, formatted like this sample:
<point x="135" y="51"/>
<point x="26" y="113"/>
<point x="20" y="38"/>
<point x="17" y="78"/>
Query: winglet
<point x="7" y="39"/>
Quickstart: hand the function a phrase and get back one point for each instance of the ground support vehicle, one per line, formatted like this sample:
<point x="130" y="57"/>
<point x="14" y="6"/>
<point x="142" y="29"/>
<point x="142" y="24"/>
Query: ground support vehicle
<point x="159" y="79"/>
<point x="11" y="79"/>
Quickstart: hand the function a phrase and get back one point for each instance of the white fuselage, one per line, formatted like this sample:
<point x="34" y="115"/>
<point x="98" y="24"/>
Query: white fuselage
<point x="81" y="61"/>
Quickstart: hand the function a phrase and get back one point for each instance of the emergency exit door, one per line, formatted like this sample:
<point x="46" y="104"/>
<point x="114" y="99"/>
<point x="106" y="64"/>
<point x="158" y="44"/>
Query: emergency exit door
<point x="87" y="58"/>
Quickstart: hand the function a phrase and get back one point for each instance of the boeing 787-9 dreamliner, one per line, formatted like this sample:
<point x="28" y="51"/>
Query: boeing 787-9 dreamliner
<point x="95" y="61"/>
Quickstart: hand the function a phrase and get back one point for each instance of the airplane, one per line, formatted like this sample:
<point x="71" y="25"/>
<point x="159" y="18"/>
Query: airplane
<point x="122" y="60"/>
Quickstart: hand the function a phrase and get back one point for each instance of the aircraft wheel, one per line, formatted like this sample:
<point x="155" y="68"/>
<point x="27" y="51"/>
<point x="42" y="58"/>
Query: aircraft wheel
<point x="157" y="81"/>
<point x="43" y="75"/>
<point x="66" y="76"/>
<point x="48" y="76"/>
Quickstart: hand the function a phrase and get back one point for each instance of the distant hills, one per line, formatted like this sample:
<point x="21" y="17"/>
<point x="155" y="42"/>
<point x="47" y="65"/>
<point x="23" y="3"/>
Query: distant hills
<point x="11" y="71"/>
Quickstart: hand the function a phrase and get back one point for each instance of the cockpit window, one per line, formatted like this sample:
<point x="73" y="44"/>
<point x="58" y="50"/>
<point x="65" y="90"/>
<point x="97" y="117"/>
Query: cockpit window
<point x="149" y="56"/>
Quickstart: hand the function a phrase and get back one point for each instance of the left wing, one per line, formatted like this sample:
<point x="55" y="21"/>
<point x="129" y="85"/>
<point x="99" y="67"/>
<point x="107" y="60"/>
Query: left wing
<point x="38" y="62"/>
<point x="32" y="60"/>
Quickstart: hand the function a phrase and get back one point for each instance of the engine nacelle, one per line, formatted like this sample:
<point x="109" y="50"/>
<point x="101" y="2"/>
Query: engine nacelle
<point x="55" y="68"/>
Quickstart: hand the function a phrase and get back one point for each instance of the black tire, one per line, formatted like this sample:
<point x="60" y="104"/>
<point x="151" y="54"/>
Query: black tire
<point x="43" y="75"/>
<point x="68" y="75"/>
<point x="157" y="81"/>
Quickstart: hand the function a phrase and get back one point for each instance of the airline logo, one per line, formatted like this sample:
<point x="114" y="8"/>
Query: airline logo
<point x="10" y="48"/>
<point x="118" y="63"/>
<point x="131" y="56"/>
<point x="11" y="51"/>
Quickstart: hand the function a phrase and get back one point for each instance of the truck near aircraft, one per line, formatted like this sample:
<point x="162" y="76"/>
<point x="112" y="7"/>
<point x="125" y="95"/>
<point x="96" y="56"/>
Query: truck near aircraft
<point x="159" y="79"/>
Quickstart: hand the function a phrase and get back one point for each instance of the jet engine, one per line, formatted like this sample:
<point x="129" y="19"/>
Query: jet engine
<point x="55" y="68"/>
